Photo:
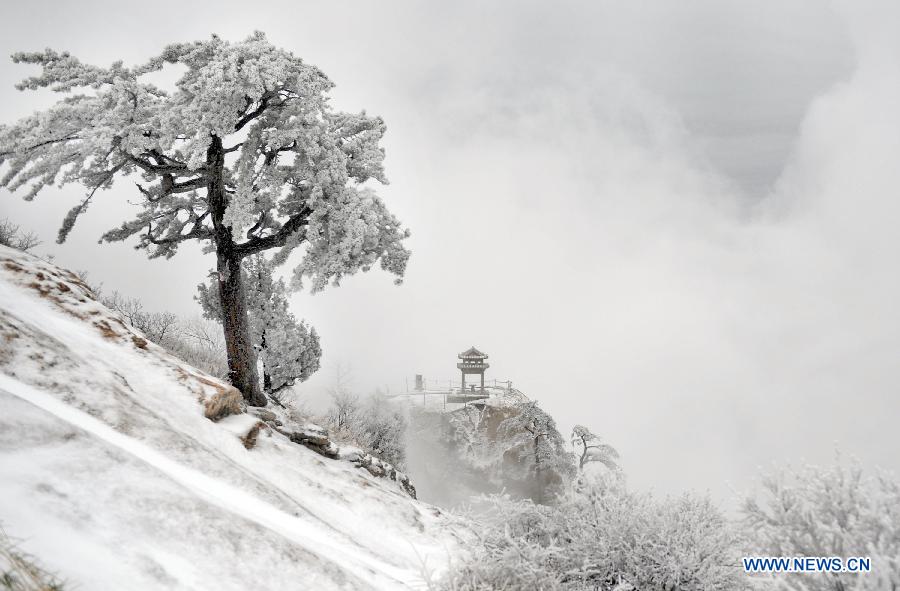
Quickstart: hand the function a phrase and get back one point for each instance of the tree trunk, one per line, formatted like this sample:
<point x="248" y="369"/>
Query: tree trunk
<point x="267" y="376"/>
<point x="539" y="473"/>
<point x="241" y="356"/>
<point x="267" y="379"/>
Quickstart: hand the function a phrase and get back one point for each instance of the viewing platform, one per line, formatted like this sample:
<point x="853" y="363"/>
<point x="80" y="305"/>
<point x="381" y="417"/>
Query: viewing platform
<point x="449" y="395"/>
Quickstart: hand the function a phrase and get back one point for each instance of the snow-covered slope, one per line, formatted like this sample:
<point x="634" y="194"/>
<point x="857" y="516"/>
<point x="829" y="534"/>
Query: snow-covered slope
<point x="111" y="475"/>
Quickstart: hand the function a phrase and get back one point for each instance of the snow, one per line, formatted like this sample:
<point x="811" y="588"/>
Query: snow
<point x="310" y="536"/>
<point x="112" y="478"/>
<point x="507" y="399"/>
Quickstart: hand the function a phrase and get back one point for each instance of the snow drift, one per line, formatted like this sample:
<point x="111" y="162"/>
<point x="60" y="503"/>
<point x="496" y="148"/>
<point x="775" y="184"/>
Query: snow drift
<point x="113" y="477"/>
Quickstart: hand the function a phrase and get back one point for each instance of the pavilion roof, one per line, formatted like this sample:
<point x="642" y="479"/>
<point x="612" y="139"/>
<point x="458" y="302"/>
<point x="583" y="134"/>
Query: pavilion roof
<point x="472" y="353"/>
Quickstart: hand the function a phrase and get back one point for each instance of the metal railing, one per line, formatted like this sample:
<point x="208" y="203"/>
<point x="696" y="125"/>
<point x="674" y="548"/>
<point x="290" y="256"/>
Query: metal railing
<point x="451" y="393"/>
<point x="431" y="385"/>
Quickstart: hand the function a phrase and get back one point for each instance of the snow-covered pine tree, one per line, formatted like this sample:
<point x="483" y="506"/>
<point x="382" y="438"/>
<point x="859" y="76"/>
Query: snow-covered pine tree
<point x="288" y="348"/>
<point x="244" y="155"/>
<point x="531" y="434"/>
<point x="588" y="448"/>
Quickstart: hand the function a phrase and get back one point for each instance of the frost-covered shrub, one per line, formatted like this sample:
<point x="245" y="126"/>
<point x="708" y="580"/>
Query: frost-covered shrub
<point x="829" y="511"/>
<point x="159" y="327"/>
<point x="196" y="341"/>
<point x="606" y="540"/>
<point x="382" y="431"/>
<point x="372" y="423"/>
<point x="200" y="343"/>
<point x="11" y="235"/>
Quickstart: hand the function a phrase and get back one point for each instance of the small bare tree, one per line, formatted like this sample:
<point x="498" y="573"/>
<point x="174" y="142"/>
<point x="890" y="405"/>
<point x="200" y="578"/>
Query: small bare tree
<point x="344" y="402"/>
<point x="159" y="327"/>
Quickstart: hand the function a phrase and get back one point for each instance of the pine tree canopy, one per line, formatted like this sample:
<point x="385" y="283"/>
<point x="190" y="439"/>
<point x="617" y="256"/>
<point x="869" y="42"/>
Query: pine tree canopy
<point x="244" y="154"/>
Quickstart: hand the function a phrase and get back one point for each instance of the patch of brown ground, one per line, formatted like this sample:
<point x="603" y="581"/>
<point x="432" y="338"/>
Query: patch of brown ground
<point x="249" y="440"/>
<point x="223" y="403"/>
<point x="106" y="330"/>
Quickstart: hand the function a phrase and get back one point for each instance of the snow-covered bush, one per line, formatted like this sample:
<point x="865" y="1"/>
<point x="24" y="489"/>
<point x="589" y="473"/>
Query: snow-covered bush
<point x="14" y="237"/>
<point x="159" y="327"/>
<point x="372" y="423"/>
<point x="829" y="511"/>
<point x="606" y="540"/>
<point x="201" y="343"/>
<point x="381" y="429"/>
<point x="196" y="341"/>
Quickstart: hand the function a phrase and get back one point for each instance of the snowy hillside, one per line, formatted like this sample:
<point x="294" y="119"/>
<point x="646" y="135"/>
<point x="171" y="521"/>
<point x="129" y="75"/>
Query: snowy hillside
<point x="113" y="478"/>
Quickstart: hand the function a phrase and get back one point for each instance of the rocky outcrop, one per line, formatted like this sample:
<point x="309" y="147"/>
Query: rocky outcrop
<point x="319" y="440"/>
<point x="485" y="448"/>
<point x="379" y="468"/>
<point x="312" y="436"/>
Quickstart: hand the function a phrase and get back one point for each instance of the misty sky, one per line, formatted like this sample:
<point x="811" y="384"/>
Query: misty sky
<point x="674" y="222"/>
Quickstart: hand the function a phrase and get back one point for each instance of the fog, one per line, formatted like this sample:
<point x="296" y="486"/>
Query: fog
<point x="674" y="223"/>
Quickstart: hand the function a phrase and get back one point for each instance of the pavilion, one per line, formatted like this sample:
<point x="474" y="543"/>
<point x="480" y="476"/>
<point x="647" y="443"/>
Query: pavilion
<point x="472" y="361"/>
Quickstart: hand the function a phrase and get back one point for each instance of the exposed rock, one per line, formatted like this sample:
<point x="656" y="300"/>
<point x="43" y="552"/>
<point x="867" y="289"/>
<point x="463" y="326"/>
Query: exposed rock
<point x="313" y="437"/>
<point x="263" y="414"/>
<point x="317" y="439"/>
<point x="379" y="468"/>
<point x="484" y="456"/>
